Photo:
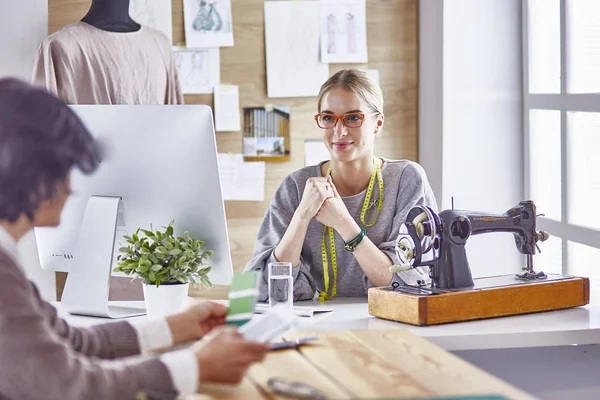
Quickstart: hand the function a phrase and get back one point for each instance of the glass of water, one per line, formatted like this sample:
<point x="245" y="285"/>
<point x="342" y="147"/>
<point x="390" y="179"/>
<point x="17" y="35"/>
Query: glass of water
<point x="281" y="287"/>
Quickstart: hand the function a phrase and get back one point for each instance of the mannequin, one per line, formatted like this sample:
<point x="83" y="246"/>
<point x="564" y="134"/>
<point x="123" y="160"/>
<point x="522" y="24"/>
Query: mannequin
<point x="138" y="68"/>
<point x="111" y="15"/>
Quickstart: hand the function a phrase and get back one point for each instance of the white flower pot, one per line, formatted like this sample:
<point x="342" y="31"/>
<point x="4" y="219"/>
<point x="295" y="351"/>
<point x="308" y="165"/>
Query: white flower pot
<point x="165" y="299"/>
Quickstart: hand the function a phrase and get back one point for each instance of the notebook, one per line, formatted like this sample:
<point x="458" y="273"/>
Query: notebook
<point x="242" y="297"/>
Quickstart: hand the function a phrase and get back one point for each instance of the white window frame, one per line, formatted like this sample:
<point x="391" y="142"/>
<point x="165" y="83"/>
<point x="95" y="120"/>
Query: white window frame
<point x="563" y="102"/>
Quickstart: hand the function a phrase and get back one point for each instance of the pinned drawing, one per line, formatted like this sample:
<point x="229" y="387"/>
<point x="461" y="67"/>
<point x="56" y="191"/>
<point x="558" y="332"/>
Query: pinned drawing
<point x="198" y="69"/>
<point x="351" y="33"/>
<point x="153" y="13"/>
<point x="344" y="31"/>
<point x="332" y="28"/>
<point x="208" y="18"/>
<point x="292" y="47"/>
<point x="208" y="23"/>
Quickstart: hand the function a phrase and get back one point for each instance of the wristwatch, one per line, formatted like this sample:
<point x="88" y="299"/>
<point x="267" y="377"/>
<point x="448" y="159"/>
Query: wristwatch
<point x="352" y="243"/>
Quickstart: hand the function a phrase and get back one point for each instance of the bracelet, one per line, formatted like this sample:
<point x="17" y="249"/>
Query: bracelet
<point x="352" y="243"/>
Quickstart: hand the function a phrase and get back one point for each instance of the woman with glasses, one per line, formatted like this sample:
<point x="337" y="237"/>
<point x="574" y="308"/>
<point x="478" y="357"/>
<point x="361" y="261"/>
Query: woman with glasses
<point x="337" y="222"/>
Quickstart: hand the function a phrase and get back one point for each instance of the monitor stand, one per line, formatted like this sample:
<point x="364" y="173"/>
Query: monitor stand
<point x="88" y="282"/>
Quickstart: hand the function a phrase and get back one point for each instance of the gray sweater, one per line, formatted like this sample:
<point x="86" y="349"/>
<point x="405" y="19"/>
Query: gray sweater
<point x="405" y="186"/>
<point x="42" y="357"/>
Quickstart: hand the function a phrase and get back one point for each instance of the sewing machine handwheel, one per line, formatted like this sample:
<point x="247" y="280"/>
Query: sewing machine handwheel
<point x="418" y="235"/>
<point x="426" y="224"/>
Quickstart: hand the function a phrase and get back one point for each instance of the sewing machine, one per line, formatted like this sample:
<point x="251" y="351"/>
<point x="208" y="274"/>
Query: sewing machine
<point x="449" y="293"/>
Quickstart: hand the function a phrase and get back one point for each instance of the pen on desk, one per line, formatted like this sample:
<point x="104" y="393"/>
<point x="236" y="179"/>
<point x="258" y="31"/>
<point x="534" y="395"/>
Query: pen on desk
<point x="294" y="389"/>
<point x="288" y="344"/>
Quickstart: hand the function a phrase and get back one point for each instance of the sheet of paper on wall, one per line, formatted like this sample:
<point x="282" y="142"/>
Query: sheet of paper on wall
<point x="198" y="69"/>
<point x="292" y="48"/>
<point x="227" y="108"/>
<point x="343" y="31"/>
<point x="240" y="180"/>
<point x="208" y="23"/>
<point x="374" y="73"/>
<point x="153" y="13"/>
<point x="315" y="152"/>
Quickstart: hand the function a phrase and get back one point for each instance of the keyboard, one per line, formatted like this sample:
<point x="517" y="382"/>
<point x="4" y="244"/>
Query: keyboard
<point x="301" y="311"/>
<point x="125" y="312"/>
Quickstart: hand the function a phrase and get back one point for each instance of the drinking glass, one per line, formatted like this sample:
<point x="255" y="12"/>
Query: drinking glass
<point x="281" y="287"/>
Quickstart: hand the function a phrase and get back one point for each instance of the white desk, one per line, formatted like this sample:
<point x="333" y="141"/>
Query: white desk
<point x="579" y="326"/>
<point x="557" y="328"/>
<point x="533" y="352"/>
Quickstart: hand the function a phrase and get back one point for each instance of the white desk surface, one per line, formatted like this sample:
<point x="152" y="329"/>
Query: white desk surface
<point x="579" y="325"/>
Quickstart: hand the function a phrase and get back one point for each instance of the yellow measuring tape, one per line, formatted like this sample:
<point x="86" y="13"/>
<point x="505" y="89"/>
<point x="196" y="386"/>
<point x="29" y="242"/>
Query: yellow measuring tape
<point x="329" y="230"/>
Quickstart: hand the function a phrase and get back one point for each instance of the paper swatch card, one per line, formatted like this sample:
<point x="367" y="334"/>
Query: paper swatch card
<point x="243" y="294"/>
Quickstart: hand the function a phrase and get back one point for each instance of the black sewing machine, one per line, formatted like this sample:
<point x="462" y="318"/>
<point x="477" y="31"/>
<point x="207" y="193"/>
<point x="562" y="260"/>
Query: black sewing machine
<point x="445" y="236"/>
<point x="438" y="241"/>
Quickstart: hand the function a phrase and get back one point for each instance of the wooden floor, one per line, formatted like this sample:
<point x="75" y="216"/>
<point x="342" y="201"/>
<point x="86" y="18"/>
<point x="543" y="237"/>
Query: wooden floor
<point x="367" y="364"/>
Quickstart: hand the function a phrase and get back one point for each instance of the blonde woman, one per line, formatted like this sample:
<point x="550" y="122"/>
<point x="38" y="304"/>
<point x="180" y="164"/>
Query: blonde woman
<point x="337" y="222"/>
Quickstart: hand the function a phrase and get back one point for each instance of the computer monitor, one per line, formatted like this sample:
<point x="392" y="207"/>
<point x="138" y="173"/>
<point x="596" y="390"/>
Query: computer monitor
<point x="159" y="164"/>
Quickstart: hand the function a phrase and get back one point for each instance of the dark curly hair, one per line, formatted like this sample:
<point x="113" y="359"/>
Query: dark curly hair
<point x="41" y="140"/>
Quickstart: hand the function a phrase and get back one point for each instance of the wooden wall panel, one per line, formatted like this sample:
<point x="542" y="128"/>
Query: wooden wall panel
<point x="393" y="49"/>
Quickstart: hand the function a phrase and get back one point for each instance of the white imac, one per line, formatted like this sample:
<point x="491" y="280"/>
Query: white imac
<point x="159" y="164"/>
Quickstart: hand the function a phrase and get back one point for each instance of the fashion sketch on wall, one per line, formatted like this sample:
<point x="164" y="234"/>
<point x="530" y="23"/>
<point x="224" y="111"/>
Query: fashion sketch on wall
<point x="153" y="13"/>
<point x="343" y="31"/>
<point x="198" y="69"/>
<point x="208" y="23"/>
<point x="292" y="49"/>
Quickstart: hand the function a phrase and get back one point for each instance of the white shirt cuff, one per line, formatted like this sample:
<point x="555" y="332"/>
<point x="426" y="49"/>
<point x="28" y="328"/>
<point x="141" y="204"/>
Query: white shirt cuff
<point x="183" y="368"/>
<point x="153" y="334"/>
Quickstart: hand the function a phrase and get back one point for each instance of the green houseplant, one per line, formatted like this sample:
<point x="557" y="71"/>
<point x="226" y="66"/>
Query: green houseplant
<point x="167" y="264"/>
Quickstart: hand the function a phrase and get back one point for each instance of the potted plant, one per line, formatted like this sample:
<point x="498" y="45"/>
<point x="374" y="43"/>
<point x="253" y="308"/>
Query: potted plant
<point x="166" y="264"/>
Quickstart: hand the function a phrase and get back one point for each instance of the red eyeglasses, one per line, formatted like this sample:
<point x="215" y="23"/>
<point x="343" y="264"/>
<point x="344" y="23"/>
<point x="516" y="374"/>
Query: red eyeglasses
<point x="350" y="120"/>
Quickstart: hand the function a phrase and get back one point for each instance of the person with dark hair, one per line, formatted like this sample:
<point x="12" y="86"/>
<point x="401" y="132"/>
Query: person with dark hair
<point x="41" y="141"/>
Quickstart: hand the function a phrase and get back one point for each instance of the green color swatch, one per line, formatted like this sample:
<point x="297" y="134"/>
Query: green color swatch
<point x="242" y="297"/>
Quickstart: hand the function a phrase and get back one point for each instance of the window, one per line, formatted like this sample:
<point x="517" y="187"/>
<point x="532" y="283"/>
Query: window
<point x="561" y="76"/>
<point x="544" y="49"/>
<point x="583" y="46"/>
<point x="583" y="166"/>
<point x="544" y="173"/>
<point x="581" y="257"/>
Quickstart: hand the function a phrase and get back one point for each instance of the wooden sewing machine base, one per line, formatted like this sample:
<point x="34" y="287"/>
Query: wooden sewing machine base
<point x="490" y="297"/>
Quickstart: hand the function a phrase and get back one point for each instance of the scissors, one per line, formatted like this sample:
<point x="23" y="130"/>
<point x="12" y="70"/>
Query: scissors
<point x="295" y="390"/>
<point x="292" y="344"/>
